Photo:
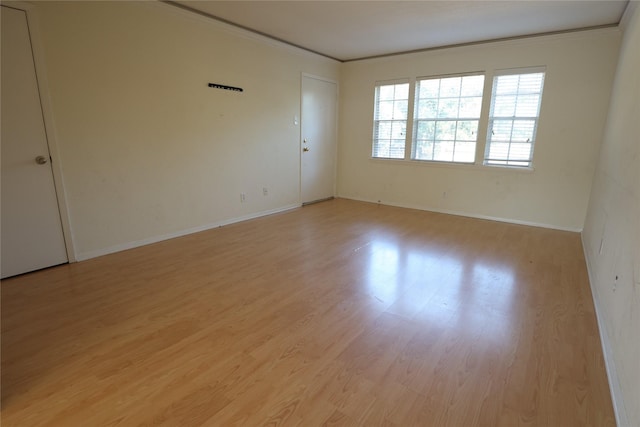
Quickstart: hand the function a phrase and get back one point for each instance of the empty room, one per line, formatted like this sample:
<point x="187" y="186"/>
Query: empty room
<point x="394" y="213"/>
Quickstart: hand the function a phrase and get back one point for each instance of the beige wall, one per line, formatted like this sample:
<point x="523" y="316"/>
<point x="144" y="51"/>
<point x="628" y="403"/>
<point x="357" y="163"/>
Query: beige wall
<point x="580" y="69"/>
<point x="147" y="150"/>
<point x="612" y="229"/>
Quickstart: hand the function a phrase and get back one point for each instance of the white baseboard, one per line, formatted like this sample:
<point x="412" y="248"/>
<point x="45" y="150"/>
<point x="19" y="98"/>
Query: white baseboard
<point x="468" y="215"/>
<point x="614" y="383"/>
<point x="137" y="243"/>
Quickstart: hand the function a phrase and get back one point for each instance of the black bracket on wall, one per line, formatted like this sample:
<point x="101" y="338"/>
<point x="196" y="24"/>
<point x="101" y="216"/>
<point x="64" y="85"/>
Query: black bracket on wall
<point x="225" y="87"/>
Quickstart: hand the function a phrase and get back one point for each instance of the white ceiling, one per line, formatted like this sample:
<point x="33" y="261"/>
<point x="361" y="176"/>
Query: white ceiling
<point x="348" y="30"/>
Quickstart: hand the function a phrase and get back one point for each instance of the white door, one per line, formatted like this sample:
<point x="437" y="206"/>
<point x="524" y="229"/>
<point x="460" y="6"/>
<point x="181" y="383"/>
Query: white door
<point x="31" y="228"/>
<point x="319" y="134"/>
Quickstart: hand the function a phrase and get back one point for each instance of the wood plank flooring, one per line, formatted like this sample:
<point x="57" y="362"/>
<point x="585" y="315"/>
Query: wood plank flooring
<point x="338" y="313"/>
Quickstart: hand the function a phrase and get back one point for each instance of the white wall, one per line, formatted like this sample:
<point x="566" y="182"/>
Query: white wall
<point x="580" y="69"/>
<point x="614" y="219"/>
<point x="147" y="149"/>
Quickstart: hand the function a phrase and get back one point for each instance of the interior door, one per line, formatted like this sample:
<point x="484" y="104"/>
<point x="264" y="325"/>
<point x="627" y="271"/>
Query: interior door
<point x="31" y="228"/>
<point x="319" y="134"/>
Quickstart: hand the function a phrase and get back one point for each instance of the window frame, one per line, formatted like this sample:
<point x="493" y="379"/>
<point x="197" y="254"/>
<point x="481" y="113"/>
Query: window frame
<point x="513" y="163"/>
<point x="376" y="103"/>
<point x="416" y="120"/>
<point x="482" y="144"/>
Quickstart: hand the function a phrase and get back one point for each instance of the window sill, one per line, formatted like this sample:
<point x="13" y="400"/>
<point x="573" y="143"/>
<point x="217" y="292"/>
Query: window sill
<point x="447" y="165"/>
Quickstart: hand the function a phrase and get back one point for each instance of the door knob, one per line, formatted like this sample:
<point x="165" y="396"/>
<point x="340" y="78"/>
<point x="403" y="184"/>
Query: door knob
<point x="305" y="149"/>
<point x="41" y="160"/>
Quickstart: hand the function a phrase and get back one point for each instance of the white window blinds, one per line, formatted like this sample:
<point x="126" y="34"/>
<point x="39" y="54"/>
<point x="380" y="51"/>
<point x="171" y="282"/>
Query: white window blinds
<point x="513" y="118"/>
<point x="390" y="120"/>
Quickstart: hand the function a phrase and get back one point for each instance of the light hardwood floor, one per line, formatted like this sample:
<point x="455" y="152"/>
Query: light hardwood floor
<point x="339" y="313"/>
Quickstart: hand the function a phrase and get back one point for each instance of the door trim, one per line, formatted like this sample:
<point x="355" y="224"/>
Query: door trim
<point x="324" y="79"/>
<point x="335" y="154"/>
<point x="47" y="116"/>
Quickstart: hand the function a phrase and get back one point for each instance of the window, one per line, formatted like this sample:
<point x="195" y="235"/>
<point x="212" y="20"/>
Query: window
<point x="447" y="112"/>
<point x="513" y="118"/>
<point x="390" y="120"/>
<point x="437" y="119"/>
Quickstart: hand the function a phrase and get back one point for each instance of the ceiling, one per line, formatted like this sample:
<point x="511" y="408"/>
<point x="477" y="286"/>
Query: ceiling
<point x="349" y="30"/>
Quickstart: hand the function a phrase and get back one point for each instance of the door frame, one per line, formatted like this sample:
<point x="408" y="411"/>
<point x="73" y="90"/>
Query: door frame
<point x="300" y="136"/>
<point x="47" y="116"/>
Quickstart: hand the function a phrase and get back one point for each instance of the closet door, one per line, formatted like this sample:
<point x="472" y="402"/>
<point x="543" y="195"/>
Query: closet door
<point x="31" y="228"/>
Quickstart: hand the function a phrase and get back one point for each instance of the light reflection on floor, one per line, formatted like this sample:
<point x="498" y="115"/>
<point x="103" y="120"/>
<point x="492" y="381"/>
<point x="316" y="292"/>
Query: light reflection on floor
<point x="450" y="289"/>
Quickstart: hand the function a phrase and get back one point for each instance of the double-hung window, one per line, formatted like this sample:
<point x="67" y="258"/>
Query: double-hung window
<point x="446" y="116"/>
<point x="513" y="118"/>
<point x="437" y="119"/>
<point x="390" y="120"/>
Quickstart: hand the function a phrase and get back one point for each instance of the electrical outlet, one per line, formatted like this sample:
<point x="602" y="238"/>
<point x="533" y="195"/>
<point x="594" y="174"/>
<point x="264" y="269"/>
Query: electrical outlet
<point x="243" y="197"/>
<point x="265" y="191"/>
